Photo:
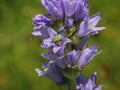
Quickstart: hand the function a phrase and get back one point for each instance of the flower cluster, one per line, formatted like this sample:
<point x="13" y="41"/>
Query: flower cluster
<point x="65" y="31"/>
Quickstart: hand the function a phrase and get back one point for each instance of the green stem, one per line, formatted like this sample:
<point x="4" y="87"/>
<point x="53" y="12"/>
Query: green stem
<point x="69" y="84"/>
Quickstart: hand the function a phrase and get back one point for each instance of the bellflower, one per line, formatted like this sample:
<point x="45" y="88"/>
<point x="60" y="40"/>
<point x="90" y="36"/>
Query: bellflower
<point x="87" y="55"/>
<point x="90" y="84"/>
<point x="41" y="21"/>
<point x="51" y="71"/>
<point x="56" y="46"/>
<point x="82" y="12"/>
<point x="89" y="26"/>
<point x="73" y="58"/>
<point x="70" y="6"/>
<point x="53" y="7"/>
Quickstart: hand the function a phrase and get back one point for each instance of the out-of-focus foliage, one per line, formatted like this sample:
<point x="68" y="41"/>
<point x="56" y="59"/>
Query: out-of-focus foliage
<point x="19" y="55"/>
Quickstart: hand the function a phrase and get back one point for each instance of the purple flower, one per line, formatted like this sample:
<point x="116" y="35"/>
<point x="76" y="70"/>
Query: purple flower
<point x="90" y="84"/>
<point x="89" y="26"/>
<point x="73" y="58"/>
<point x="51" y="71"/>
<point x="82" y="12"/>
<point x="70" y="6"/>
<point x="53" y="7"/>
<point x="41" y="21"/>
<point x="87" y="55"/>
<point x="45" y="33"/>
<point x="56" y="42"/>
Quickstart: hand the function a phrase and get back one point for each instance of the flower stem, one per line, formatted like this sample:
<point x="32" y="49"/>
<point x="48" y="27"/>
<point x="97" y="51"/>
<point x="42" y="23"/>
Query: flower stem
<point x="69" y="84"/>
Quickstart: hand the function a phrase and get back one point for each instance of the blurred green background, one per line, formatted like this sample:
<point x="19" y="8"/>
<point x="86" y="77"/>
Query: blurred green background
<point x="19" y="55"/>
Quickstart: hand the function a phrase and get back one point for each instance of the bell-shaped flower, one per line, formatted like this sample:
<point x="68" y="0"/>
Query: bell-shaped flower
<point x="56" y="42"/>
<point x="51" y="71"/>
<point x="82" y="12"/>
<point x="53" y="7"/>
<point x="70" y="6"/>
<point x="88" y="26"/>
<point x="45" y="33"/>
<point x="87" y="55"/>
<point x="41" y="21"/>
<point x="90" y="84"/>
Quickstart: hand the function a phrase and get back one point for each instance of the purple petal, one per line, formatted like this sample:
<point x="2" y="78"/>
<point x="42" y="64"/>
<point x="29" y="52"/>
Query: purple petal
<point x="36" y="33"/>
<point x="56" y="49"/>
<point x="51" y="71"/>
<point x="94" y="20"/>
<point x="47" y="43"/>
<point x="53" y="8"/>
<point x="82" y="11"/>
<point x="40" y="73"/>
<point x="83" y="29"/>
<point x="87" y="55"/>
<point x="98" y="28"/>
<point x="72" y="57"/>
<point x="50" y="56"/>
<point x="39" y="26"/>
<point x="51" y="32"/>
<point x="69" y="22"/>
<point x="61" y="62"/>
<point x="70" y="6"/>
<point x="42" y="18"/>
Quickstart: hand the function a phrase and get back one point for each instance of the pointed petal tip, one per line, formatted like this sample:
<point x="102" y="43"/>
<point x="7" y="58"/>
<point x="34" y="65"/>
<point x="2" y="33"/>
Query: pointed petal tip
<point x="40" y="73"/>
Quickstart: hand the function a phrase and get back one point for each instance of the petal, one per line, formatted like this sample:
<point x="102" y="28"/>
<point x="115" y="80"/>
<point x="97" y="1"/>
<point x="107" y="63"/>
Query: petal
<point x="54" y="73"/>
<point x="36" y="33"/>
<point x="87" y="55"/>
<point x="82" y="11"/>
<point x="53" y="8"/>
<point x="69" y="22"/>
<point x="50" y="56"/>
<point x="91" y="84"/>
<point x="56" y="49"/>
<point x="98" y="28"/>
<point x="94" y="20"/>
<point x="51" y="32"/>
<point x="61" y="62"/>
<point x="47" y="43"/>
<point x="40" y="26"/>
<point x="42" y="18"/>
<point x="70" y="6"/>
<point x="83" y="29"/>
<point x="40" y="73"/>
<point x="72" y="57"/>
<point x="83" y="43"/>
<point x="81" y="79"/>
<point x="59" y="50"/>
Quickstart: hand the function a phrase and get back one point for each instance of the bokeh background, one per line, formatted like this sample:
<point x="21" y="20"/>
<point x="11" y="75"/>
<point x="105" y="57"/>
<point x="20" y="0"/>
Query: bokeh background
<point x="19" y="55"/>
